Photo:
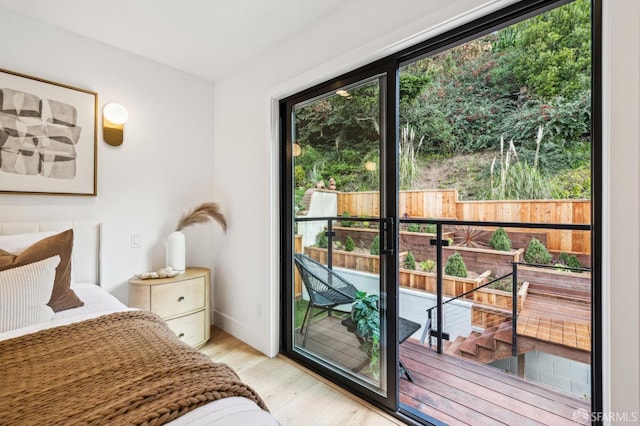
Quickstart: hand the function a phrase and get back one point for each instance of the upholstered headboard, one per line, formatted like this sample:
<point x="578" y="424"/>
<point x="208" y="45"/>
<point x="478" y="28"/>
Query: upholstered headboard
<point x="86" y="244"/>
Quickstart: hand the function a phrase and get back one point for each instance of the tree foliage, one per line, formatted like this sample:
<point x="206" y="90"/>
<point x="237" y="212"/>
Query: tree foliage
<point x="506" y="84"/>
<point x="551" y="53"/>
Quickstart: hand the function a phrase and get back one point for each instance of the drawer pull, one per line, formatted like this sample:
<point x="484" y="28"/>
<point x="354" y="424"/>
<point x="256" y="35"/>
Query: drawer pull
<point x="180" y="299"/>
<point x="181" y="335"/>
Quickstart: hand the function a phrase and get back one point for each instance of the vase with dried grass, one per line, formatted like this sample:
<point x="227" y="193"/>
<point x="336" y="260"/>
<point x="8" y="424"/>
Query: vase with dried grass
<point x="176" y="242"/>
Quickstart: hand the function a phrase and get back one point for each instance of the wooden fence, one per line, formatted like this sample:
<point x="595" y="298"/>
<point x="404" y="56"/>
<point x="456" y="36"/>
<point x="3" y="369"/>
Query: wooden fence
<point x="444" y="204"/>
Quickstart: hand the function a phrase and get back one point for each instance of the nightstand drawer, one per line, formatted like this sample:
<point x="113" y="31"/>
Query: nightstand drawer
<point x="168" y="300"/>
<point x="190" y="328"/>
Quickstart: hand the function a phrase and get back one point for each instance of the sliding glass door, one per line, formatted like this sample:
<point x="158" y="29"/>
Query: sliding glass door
<point x="415" y="189"/>
<point x="339" y="302"/>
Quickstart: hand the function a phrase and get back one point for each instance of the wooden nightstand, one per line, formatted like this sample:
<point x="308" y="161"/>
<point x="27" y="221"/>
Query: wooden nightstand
<point x="182" y="301"/>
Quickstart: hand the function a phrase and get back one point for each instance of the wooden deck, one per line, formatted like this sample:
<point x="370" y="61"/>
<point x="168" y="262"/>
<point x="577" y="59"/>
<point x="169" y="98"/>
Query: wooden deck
<point x="331" y="340"/>
<point x="451" y="389"/>
<point x="458" y="392"/>
<point x="556" y="320"/>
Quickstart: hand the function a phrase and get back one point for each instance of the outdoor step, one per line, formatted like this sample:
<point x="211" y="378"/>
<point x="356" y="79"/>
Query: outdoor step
<point x="487" y="339"/>
<point x="470" y="346"/>
<point x="504" y="333"/>
<point x="454" y="347"/>
<point x="504" y="324"/>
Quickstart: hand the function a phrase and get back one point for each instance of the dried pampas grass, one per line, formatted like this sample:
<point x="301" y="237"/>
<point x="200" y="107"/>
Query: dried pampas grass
<point x="203" y="213"/>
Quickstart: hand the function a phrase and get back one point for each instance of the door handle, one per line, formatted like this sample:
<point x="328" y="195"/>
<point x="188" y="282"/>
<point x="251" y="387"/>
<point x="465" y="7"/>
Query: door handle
<point x="387" y="236"/>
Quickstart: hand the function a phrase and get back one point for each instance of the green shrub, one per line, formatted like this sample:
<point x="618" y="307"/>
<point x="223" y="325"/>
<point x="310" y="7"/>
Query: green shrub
<point x="346" y="223"/>
<point x="500" y="240"/>
<point x="430" y="228"/>
<point x="413" y="227"/>
<point x="537" y="253"/>
<point x="339" y="245"/>
<point x="455" y="266"/>
<point x="375" y="246"/>
<point x="349" y="245"/>
<point x="505" y="284"/>
<point x="298" y="174"/>
<point x="428" y="265"/>
<point x="321" y="239"/>
<point x="570" y="260"/>
<point x="409" y="261"/>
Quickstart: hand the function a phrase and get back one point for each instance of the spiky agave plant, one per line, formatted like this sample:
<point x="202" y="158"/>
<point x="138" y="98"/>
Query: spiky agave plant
<point x="203" y="213"/>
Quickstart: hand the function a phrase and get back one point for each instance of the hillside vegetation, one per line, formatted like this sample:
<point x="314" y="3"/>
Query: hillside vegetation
<point x="504" y="116"/>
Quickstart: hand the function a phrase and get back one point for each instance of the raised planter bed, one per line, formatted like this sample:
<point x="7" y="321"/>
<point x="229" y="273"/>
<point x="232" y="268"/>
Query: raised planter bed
<point x="557" y="283"/>
<point x="480" y="259"/>
<point x="584" y="258"/>
<point x="500" y="298"/>
<point x="451" y="286"/>
<point x="362" y="237"/>
<point x="493" y="306"/>
<point x="348" y="259"/>
<point x="418" y="243"/>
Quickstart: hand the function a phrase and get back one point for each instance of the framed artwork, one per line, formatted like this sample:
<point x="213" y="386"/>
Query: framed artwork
<point x="48" y="137"/>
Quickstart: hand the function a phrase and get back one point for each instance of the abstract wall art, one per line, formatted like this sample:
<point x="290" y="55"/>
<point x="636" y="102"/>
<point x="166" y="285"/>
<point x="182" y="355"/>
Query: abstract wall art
<point x="48" y="137"/>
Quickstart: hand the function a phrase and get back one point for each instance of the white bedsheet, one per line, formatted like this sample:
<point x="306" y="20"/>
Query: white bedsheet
<point x="97" y="302"/>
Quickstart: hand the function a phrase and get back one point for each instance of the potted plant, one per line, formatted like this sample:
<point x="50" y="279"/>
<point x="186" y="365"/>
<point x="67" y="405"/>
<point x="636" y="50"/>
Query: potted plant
<point x="365" y="314"/>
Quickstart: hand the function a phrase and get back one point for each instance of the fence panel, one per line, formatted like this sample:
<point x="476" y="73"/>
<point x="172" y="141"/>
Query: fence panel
<point x="444" y="204"/>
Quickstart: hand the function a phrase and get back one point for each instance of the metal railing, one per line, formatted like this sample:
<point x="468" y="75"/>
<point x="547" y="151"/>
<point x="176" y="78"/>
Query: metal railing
<point x="439" y="242"/>
<point x="438" y="332"/>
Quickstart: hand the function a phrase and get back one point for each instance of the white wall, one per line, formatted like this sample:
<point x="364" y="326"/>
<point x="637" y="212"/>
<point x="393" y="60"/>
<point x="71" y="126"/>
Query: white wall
<point x="245" y="129"/>
<point x="164" y="166"/>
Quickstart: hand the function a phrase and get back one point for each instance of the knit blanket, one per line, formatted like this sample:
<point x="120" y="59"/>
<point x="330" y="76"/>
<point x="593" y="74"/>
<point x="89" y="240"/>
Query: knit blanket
<point x="122" y="368"/>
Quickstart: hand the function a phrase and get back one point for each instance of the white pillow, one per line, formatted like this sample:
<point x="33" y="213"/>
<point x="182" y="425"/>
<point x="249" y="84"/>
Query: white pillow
<point x="25" y="292"/>
<point x="17" y="243"/>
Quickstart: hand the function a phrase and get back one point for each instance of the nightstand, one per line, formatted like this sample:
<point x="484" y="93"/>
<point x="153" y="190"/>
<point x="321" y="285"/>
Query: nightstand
<point x="182" y="301"/>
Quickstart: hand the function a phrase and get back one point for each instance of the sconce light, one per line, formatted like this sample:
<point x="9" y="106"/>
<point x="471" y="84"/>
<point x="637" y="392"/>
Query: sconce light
<point x="297" y="150"/>
<point x="370" y="166"/>
<point x="113" y="118"/>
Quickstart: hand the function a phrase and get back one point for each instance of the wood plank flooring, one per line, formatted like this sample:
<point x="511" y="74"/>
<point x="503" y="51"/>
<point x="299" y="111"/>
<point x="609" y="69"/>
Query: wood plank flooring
<point x="294" y="395"/>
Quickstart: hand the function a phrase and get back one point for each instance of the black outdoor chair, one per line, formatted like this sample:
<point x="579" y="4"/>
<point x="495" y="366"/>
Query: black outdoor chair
<point x="326" y="289"/>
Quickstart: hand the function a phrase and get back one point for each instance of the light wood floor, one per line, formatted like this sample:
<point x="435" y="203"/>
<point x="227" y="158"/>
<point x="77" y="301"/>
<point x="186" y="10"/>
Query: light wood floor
<point x="294" y="395"/>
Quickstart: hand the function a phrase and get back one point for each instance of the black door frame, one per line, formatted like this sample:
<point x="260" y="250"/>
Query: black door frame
<point x="388" y="210"/>
<point x="391" y="64"/>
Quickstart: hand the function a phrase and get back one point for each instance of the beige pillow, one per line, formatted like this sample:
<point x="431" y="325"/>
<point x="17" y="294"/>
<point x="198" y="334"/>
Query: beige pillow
<point x="62" y="297"/>
<point x="24" y="292"/>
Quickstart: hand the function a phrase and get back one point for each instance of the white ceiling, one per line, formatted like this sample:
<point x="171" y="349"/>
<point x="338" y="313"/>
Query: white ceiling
<point x="207" y="38"/>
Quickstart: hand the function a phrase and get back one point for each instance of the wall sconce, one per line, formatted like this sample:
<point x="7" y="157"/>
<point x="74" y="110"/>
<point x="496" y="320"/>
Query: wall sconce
<point x="113" y="118"/>
<point x="370" y="166"/>
<point x="297" y="150"/>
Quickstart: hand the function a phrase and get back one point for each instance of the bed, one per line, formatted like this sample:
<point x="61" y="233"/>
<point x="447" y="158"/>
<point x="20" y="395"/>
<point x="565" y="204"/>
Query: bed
<point x="75" y="354"/>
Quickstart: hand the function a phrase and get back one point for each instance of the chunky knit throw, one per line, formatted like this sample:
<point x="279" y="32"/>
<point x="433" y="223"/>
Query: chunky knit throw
<point x="122" y="368"/>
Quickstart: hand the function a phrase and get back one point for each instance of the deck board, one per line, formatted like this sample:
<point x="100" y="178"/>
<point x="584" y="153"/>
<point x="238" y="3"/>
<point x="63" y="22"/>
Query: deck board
<point x="556" y="320"/>
<point x="530" y="400"/>
<point x="451" y="389"/>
